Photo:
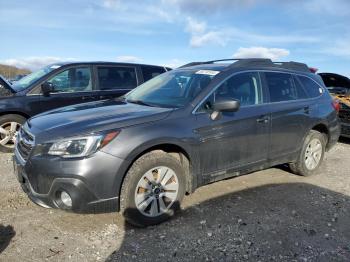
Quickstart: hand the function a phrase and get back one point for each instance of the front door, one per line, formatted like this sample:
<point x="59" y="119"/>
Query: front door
<point x="237" y="139"/>
<point x="71" y="86"/>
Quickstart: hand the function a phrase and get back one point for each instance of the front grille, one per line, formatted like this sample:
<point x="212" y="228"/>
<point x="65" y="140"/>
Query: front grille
<point x="25" y="143"/>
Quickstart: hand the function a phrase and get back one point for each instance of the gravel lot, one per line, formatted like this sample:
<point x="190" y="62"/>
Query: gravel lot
<point x="267" y="215"/>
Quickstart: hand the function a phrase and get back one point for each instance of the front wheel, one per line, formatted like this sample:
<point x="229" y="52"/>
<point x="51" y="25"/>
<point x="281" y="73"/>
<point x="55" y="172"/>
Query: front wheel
<point x="152" y="189"/>
<point x="9" y="126"/>
<point x="311" y="156"/>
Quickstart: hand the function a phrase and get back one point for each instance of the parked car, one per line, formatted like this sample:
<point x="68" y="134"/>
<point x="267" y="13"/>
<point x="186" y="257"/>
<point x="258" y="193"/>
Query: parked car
<point x="339" y="87"/>
<point x="191" y="126"/>
<point x="65" y="84"/>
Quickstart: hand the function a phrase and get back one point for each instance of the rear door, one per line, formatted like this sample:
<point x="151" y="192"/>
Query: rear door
<point x="115" y="81"/>
<point x="290" y="111"/>
<point x="71" y="85"/>
<point x="148" y="72"/>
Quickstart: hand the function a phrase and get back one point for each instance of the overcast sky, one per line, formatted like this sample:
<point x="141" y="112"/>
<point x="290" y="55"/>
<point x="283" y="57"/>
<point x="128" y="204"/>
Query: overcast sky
<point x="173" y="32"/>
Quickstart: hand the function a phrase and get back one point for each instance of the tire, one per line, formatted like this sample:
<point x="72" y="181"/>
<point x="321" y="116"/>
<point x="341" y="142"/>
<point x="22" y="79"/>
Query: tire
<point x="139" y="202"/>
<point x="307" y="164"/>
<point x="9" y="124"/>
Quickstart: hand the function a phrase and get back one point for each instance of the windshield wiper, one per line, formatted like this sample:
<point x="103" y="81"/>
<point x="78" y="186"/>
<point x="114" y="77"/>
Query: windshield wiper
<point x="139" y="102"/>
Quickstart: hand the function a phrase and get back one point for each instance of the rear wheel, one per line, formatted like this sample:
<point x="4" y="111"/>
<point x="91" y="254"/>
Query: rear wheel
<point x="152" y="189"/>
<point x="9" y="126"/>
<point x="311" y="156"/>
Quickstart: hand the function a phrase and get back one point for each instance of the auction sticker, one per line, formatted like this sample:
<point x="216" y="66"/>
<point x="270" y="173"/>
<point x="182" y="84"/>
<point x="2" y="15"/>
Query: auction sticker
<point x="207" y="72"/>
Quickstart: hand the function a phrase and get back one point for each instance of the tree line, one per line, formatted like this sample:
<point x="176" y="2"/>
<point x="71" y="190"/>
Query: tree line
<point x="11" y="71"/>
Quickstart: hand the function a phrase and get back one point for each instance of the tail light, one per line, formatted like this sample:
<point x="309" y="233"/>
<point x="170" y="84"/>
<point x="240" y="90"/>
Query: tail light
<point x="313" y="69"/>
<point x="336" y="105"/>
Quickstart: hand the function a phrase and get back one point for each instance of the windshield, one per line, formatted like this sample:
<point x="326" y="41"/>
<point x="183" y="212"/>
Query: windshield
<point x="172" y="89"/>
<point x="26" y="81"/>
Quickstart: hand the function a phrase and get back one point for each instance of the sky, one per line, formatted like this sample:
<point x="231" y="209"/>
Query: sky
<point x="173" y="32"/>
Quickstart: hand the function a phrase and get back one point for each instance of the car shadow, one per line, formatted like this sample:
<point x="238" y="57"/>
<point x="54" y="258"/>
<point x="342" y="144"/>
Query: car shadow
<point x="283" y="222"/>
<point x="6" y="234"/>
<point x="344" y="140"/>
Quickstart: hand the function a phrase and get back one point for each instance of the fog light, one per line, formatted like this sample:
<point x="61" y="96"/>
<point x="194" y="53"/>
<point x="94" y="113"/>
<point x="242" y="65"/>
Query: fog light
<point x="66" y="199"/>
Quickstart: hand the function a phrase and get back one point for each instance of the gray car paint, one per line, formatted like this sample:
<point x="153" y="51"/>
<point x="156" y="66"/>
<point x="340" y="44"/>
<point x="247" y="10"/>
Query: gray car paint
<point x="237" y="143"/>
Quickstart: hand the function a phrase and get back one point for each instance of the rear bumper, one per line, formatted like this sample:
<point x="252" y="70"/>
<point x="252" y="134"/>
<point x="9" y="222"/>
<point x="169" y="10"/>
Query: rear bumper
<point x="93" y="183"/>
<point x="345" y="129"/>
<point x="334" y="133"/>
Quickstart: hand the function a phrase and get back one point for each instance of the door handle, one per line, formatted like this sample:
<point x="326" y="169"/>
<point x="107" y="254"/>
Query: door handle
<point x="86" y="98"/>
<point x="307" y="110"/>
<point x="263" y="120"/>
<point x="105" y="97"/>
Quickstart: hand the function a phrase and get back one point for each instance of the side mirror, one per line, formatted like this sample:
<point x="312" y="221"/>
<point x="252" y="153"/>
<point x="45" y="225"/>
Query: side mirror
<point x="224" y="105"/>
<point x="47" y="88"/>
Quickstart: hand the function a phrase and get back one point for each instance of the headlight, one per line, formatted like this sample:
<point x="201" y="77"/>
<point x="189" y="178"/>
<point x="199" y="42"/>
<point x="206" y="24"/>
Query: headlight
<point x="80" y="146"/>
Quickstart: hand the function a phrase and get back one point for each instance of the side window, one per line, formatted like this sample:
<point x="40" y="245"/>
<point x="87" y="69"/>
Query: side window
<point x="114" y="77"/>
<point x="149" y="72"/>
<point x="283" y="88"/>
<point x="72" y="80"/>
<point x="312" y="88"/>
<point x="245" y="87"/>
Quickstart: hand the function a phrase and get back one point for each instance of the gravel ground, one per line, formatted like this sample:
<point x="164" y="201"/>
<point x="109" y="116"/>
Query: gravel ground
<point x="264" y="216"/>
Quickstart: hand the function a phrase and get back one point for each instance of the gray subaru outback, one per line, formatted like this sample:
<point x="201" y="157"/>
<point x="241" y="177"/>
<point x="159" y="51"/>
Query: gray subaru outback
<point x="203" y="122"/>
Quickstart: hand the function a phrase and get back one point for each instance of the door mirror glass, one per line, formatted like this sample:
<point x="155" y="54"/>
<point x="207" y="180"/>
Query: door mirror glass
<point x="47" y="88"/>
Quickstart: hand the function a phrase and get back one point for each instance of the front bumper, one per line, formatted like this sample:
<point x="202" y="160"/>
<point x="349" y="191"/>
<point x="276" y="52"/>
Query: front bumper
<point x="92" y="183"/>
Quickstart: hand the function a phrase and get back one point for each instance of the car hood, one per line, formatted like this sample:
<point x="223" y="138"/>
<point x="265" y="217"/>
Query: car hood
<point x="92" y="117"/>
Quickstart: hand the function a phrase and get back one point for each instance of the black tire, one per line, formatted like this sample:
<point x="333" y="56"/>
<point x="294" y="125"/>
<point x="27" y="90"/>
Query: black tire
<point x="299" y="167"/>
<point x="138" y="169"/>
<point x="6" y="119"/>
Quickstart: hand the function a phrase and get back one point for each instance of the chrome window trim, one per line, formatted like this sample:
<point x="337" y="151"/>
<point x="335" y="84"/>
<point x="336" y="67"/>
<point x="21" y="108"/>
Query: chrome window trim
<point x="258" y="71"/>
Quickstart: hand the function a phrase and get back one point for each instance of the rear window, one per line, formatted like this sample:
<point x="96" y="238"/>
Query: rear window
<point x="283" y="88"/>
<point x="114" y="77"/>
<point x="311" y="87"/>
<point x="149" y="72"/>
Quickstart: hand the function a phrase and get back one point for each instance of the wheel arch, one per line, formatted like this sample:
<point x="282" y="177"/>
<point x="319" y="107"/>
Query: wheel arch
<point x="178" y="151"/>
<point x="323" y="129"/>
<point x="26" y="116"/>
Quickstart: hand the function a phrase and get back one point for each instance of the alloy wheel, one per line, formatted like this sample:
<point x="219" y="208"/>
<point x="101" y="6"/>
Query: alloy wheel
<point x="156" y="191"/>
<point x="313" y="154"/>
<point x="8" y="132"/>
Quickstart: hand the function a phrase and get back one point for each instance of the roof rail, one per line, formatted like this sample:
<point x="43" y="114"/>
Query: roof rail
<point x="293" y="66"/>
<point x="252" y="62"/>
<point x="256" y="62"/>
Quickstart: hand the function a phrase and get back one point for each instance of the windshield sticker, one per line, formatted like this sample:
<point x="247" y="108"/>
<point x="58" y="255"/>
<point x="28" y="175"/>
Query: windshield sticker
<point x="207" y="72"/>
<point x="55" y="66"/>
